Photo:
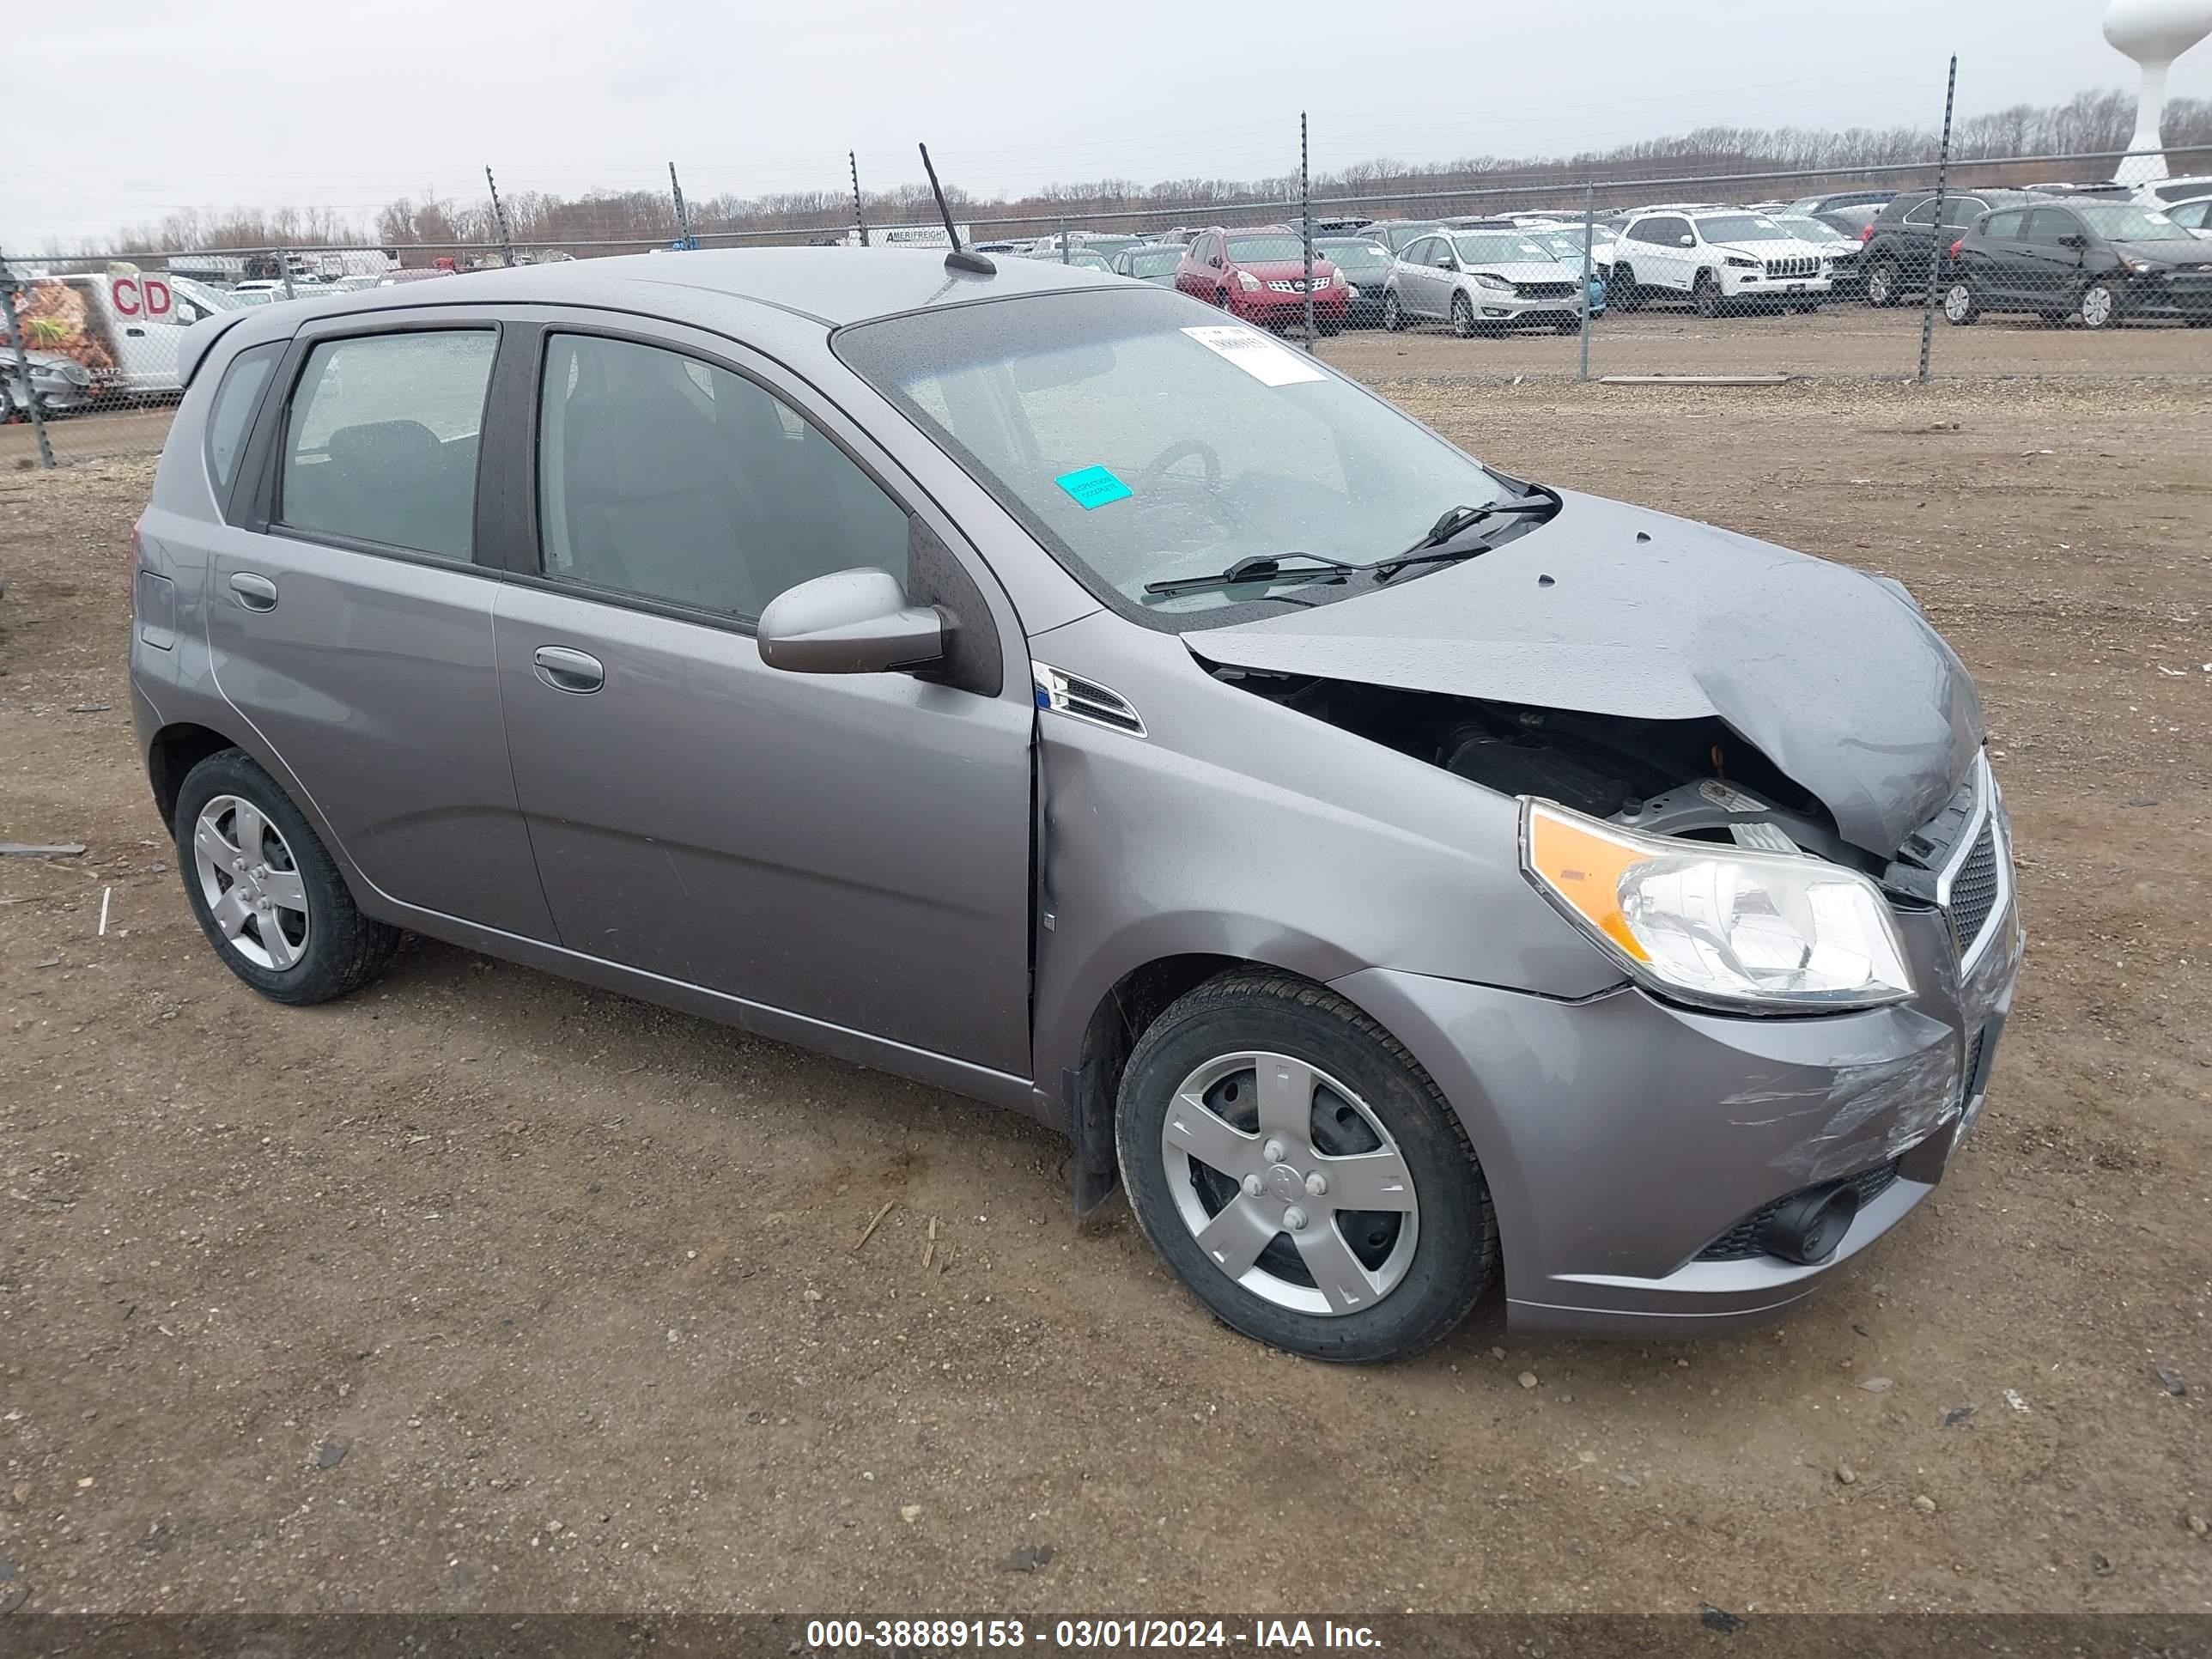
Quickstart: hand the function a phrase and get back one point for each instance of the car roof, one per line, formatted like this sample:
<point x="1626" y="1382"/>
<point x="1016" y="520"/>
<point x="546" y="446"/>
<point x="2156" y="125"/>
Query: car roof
<point x="832" y="286"/>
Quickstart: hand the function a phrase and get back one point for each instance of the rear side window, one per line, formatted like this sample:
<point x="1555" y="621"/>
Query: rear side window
<point x="381" y="445"/>
<point x="231" y="414"/>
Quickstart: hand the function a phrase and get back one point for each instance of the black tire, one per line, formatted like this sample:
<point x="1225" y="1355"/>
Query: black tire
<point x="1462" y="317"/>
<point x="1454" y="1252"/>
<point x="1394" y="319"/>
<point x="1960" y="307"/>
<point x="2097" y="307"/>
<point x="1706" y="294"/>
<point x="1885" y="284"/>
<point x="1621" y="293"/>
<point x="344" y="950"/>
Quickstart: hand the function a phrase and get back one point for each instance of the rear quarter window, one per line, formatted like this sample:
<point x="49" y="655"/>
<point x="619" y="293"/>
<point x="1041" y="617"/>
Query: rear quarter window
<point x="230" y="417"/>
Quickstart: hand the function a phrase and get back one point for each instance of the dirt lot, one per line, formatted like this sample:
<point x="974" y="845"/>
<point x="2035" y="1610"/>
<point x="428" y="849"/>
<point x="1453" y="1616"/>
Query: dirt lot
<point x="484" y="1290"/>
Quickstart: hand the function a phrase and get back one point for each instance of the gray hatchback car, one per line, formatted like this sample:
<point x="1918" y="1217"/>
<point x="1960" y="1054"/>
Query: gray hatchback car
<point x="1400" y="876"/>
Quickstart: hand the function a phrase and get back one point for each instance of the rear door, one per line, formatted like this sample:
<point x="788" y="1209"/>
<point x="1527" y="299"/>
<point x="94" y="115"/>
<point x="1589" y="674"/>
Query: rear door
<point x="1996" y="258"/>
<point x="852" y="849"/>
<point x="349" y="617"/>
<point x="1418" y="284"/>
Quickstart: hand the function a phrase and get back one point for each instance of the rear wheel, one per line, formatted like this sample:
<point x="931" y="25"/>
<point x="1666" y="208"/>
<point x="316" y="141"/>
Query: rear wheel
<point x="1885" y="284"/>
<point x="265" y="890"/>
<point x="1959" y="306"/>
<point x="1300" y="1172"/>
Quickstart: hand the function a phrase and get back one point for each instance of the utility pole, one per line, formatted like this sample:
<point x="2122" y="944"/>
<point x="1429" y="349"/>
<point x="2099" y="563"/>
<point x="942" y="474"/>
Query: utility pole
<point x="1305" y="210"/>
<point x="860" y="218"/>
<point x="499" y="218"/>
<point x="28" y="392"/>
<point x="1940" y="250"/>
<point x="683" y="237"/>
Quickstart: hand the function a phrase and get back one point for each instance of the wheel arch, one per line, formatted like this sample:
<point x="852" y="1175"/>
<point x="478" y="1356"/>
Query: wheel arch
<point x="172" y="753"/>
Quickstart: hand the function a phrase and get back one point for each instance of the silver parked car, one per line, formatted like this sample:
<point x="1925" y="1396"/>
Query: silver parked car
<point x="1401" y="876"/>
<point x="1483" y="281"/>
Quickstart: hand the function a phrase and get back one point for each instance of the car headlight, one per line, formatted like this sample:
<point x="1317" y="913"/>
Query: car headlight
<point x="1712" y="924"/>
<point x="1247" y="282"/>
<point x="1484" y="279"/>
<point x="1740" y="262"/>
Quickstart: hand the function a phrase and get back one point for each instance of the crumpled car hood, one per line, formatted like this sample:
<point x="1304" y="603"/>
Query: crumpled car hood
<point x="1834" y="675"/>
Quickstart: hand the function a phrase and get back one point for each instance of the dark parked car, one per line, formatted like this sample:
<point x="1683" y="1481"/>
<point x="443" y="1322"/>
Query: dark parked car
<point x="2096" y="262"/>
<point x="1400" y="876"/>
<point x="1151" y="262"/>
<point x="1398" y="234"/>
<point x="1364" y="263"/>
<point x="1903" y="243"/>
<point x="1259" y="275"/>
<point x="1833" y="200"/>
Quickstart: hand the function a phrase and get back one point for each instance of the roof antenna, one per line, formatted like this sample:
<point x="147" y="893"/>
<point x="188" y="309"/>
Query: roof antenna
<point x="960" y="259"/>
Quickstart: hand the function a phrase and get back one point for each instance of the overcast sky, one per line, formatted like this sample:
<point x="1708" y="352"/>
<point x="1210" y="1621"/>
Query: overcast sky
<point x="133" y="109"/>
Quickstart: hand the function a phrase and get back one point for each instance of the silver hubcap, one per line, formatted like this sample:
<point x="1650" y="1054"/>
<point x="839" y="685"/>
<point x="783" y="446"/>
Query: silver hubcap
<point x="251" y="882"/>
<point x="2096" y="307"/>
<point x="1290" y="1183"/>
<point x="1957" y="302"/>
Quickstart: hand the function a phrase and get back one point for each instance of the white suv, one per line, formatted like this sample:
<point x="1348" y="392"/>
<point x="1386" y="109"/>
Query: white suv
<point x="1718" y="260"/>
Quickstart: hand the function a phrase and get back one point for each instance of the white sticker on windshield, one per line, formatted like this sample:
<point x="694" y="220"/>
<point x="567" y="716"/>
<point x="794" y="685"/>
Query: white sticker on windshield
<point x="1263" y="359"/>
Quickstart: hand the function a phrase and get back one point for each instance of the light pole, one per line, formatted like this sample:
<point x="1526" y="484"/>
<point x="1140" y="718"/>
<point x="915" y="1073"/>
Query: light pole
<point x="2154" y="32"/>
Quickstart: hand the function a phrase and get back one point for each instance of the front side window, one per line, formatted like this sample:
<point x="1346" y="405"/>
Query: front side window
<point x="2051" y="225"/>
<point x="381" y="444"/>
<point x="232" y="413"/>
<point x="1139" y="443"/>
<point x="672" y="479"/>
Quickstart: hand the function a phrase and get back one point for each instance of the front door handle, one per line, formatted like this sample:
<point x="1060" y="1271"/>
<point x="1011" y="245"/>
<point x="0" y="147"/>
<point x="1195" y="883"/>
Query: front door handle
<point x="254" y="592"/>
<point x="565" y="670"/>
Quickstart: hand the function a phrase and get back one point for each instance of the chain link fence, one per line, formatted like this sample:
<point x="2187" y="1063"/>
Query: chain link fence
<point x="2013" y="265"/>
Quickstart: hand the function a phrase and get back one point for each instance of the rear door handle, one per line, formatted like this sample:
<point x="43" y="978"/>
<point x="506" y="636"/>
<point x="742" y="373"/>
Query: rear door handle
<point x="565" y="670"/>
<point x="254" y="592"/>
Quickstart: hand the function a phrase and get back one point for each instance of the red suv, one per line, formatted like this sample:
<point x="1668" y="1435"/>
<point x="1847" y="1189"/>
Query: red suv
<point x="1259" y="275"/>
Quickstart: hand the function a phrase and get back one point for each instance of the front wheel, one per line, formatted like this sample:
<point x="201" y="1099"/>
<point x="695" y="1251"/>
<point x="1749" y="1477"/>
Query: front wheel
<point x="1392" y="318"/>
<point x="2098" y="307"/>
<point x="1959" y="306"/>
<point x="1621" y="293"/>
<point x="1885" y="284"/>
<point x="1706" y="294"/>
<point x="1301" y="1173"/>
<point x="1462" y="316"/>
<point x="265" y="890"/>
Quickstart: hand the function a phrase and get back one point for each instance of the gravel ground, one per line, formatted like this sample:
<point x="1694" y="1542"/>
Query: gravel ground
<point x="487" y="1290"/>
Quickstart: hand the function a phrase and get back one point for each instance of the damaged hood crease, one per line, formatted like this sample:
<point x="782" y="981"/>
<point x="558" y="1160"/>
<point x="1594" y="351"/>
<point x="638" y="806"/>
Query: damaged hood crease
<point x="1833" y="675"/>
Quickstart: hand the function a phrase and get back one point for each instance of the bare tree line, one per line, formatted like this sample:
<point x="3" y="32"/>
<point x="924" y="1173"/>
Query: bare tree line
<point x="2092" y="122"/>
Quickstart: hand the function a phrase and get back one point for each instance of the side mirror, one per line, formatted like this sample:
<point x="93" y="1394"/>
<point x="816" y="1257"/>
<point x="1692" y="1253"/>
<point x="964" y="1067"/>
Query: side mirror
<point x="1688" y="241"/>
<point x="850" y="622"/>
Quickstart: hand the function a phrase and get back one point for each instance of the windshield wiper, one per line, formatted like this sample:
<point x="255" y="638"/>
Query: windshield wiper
<point x="1260" y="568"/>
<point x="1437" y="545"/>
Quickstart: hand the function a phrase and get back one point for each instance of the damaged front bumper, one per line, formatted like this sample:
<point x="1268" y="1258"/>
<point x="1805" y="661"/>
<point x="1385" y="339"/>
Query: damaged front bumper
<point x="1622" y="1135"/>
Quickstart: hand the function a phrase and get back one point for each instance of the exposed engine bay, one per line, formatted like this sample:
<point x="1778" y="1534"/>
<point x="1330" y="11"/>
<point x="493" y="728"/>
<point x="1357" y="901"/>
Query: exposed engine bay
<point x="1695" y="778"/>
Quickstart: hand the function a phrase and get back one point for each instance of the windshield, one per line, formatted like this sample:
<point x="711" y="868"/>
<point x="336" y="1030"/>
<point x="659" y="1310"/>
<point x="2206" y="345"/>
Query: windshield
<point x="1501" y="248"/>
<point x="1810" y="230"/>
<point x="2124" y="221"/>
<point x="1741" y="227"/>
<point x="1157" y="263"/>
<point x="1140" y="441"/>
<point x="1359" y="258"/>
<point x="1265" y="250"/>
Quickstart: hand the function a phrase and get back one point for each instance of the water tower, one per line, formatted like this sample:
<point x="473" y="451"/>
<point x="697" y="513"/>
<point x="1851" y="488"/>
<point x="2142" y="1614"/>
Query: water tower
<point x="2154" y="32"/>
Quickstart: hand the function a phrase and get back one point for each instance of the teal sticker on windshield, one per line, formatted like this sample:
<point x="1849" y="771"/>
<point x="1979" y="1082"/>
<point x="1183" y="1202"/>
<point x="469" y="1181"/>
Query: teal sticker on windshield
<point x="1091" y="487"/>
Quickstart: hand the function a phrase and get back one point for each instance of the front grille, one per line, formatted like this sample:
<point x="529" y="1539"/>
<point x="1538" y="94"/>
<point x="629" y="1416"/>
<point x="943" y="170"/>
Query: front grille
<point x="1290" y="285"/>
<point x="1545" y="291"/>
<point x="1974" y="888"/>
<point x="1793" y="267"/>
<point x="1747" y="1238"/>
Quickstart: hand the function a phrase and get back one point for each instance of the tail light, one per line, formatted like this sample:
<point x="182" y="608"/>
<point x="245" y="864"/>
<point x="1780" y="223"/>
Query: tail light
<point x="1956" y="245"/>
<point x="1866" y="232"/>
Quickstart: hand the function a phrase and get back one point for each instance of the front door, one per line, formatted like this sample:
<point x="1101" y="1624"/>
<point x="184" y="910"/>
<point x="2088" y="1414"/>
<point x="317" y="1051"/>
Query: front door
<point x="2054" y="260"/>
<point x="349" y="622"/>
<point x="852" y="849"/>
